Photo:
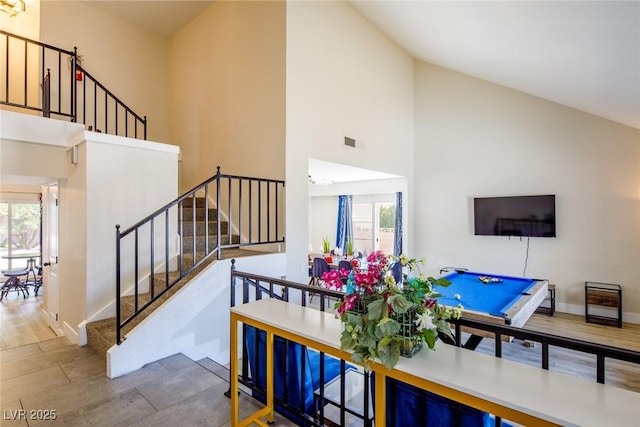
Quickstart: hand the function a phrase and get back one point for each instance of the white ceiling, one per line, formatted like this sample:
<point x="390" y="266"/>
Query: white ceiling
<point x="583" y="54"/>
<point x="324" y="173"/>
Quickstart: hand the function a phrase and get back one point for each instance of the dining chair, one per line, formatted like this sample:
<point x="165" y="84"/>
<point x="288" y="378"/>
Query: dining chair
<point x="343" y="263"/>
<point x="38" y="282"/>
<point x="319" y="266"/>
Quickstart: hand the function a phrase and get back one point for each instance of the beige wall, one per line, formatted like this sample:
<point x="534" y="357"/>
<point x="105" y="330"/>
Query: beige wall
<point x="474" y="138"/>
<point x="344" y="78"/>
<point x="228" y="91"/>
<point x="130" y="61"/>
<point x="25" y="24"/>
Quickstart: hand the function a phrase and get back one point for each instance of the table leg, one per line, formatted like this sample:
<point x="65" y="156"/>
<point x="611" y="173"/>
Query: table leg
<point x="381" y="396"/>
<point x="270" y="384"/>
<point x="233" y="370"/>
<point x="31" y="269"/>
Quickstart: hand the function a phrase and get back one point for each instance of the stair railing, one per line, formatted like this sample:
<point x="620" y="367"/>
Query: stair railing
<point x="223" y="212"/>
<point x="40" y="77"/>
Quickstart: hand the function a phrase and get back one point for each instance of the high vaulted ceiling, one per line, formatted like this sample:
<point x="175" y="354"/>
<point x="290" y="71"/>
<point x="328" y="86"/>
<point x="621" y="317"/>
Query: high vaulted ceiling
<point x="583" y="54"/>
<point x="164" y="17"/>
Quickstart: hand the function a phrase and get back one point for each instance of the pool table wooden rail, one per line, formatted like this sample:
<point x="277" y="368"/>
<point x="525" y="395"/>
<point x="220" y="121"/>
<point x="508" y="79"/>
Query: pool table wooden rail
<point x="517" y="315"/>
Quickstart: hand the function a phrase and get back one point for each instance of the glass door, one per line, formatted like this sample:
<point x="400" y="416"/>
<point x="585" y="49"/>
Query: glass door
<point x="373" y="226"/>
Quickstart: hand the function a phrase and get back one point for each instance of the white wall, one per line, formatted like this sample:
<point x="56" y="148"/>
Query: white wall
<point x="474" y="138"/>
<point x="126" y="181"/>
<point x="34" y="146"/>
<point x="227" y="70"/>
<point x="194" y="321"/>
<point x="344" y="78"/>
<point x="116" y="181"/>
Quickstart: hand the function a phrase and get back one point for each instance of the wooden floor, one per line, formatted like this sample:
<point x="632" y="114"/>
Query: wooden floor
<point x="22" y="321"/>
<point x="619" y="374"/>
<point x="572" y="326"/>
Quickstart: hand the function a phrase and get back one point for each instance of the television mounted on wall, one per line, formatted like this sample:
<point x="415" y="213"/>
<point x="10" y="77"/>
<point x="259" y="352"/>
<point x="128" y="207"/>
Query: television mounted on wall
<point x="523" y="216"/>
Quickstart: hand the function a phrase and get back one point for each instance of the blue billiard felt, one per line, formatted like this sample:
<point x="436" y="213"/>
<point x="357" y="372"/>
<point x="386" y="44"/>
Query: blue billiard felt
<point x="493" y="298"/>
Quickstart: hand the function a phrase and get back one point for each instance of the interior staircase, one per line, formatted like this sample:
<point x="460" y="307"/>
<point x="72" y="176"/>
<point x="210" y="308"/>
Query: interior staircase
<point x="101" y="334"/>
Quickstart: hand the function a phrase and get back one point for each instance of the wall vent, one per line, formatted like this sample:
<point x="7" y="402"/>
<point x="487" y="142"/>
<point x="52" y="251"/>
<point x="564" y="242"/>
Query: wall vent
<point x="350" y="142"/>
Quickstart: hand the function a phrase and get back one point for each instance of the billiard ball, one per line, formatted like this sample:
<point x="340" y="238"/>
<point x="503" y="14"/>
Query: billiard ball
<point x="457" y="296"/>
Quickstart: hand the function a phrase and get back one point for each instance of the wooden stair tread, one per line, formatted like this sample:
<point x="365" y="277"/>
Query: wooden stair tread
<point x="101" y="334"/>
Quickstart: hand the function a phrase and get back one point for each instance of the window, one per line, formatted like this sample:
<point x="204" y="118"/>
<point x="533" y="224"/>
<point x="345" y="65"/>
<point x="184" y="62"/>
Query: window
<point x="19" y="231"/>
<point x="373" y="225"/>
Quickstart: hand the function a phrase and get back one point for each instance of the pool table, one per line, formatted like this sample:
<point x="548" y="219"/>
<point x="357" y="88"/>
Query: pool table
<point x="492" y="298"/>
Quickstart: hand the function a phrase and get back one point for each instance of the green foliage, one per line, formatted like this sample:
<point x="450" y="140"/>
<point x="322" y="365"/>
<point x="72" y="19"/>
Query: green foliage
<point x="388" y="319"/>
<point x="399" y="304"/>
<point x="25" y="225"/>
<point x="389" y="352"/>
<point x="326" y="245"/>
<point x="388" y="216"/>
<point x="349" y="247"/>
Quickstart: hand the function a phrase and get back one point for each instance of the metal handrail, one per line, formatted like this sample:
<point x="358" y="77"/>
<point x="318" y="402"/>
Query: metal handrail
<point x="220" y="198"/>
<point x="20" y="91"/>
<point x="499" y="331"/>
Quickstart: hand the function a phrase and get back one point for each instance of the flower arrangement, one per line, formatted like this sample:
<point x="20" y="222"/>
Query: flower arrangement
<point x="385" y="318"/>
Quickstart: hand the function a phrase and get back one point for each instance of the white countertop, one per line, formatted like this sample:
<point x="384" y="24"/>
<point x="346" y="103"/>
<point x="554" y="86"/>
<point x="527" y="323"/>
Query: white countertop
<point x="555" y="397"/>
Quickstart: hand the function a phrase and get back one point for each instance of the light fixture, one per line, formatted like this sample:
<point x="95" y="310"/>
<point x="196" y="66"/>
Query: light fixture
<point x="12" y="7"/>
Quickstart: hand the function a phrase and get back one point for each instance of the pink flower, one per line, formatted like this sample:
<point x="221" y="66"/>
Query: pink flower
<point x="332" y="279"/>
<point x="429" y="304"/>
<point x="348" y="303"/>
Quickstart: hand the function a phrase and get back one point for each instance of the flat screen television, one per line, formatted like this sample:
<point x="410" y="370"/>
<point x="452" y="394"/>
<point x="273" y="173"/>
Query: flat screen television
<point x="526" y="216"/>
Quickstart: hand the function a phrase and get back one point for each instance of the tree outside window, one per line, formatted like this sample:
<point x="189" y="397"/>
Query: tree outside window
<point x="19" y="231"/>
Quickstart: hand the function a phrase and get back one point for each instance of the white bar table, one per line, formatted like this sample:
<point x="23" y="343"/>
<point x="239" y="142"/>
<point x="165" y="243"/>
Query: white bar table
<point x="524" y="394"/>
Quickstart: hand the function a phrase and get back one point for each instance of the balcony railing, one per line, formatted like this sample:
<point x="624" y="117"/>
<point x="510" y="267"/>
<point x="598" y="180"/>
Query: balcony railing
<point x="247" y="287"/>
<point x="39" y="77"/>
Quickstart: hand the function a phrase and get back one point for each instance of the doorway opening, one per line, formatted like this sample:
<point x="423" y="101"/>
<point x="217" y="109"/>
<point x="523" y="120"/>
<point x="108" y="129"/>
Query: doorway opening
<point x="374" y="225"/>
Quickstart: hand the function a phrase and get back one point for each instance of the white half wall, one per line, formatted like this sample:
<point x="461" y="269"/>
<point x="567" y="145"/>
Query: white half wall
<point x="194" y="321"/>
<point x="115" y="181"/>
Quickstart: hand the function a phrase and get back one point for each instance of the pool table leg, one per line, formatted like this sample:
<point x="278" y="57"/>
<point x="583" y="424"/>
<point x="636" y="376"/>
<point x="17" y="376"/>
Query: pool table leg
<point x="472" y="342"/>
